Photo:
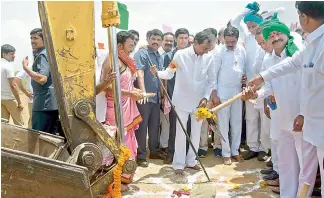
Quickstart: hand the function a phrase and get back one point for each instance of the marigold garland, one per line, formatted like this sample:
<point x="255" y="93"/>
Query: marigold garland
<point x="114" y="189"/>
<point x="173" y="65"/>
<point x="204" y="113"/>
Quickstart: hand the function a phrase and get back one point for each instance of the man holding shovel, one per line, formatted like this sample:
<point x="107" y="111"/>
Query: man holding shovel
<point x="194" y="85"/>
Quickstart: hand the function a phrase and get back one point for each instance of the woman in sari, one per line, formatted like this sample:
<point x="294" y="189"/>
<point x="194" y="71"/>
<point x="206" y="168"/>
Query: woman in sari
<point x="130" y="95"/>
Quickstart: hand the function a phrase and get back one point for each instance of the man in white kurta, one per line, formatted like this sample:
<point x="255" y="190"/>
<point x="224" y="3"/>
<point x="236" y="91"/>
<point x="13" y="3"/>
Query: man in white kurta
<point x="253" y="115"/>
<point x="311" y="63"/>
<point x="230" y="65"/>
<point x="194" y="83"/>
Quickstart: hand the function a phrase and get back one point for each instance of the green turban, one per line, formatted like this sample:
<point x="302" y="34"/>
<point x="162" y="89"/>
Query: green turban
<point x="276" y="25"/>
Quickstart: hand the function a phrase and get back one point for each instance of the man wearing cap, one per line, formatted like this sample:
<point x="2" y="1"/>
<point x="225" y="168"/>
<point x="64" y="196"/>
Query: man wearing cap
<point x="252" y="20"/>
<point x="293" y="151"/>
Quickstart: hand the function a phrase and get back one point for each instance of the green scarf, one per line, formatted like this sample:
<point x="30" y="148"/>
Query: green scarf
<point x="276" y="25"/>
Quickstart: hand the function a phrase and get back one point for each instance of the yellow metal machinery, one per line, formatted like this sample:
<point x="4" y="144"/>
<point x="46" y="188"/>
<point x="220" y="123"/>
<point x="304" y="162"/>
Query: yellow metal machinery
<point x="36" y="164"/>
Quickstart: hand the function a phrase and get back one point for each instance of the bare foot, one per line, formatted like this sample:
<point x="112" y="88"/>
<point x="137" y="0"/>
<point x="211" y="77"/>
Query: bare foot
<point x="227" y="161"/>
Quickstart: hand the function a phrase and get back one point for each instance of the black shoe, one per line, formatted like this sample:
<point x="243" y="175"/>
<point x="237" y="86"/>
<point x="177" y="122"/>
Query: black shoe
<point x="159" y="156"/>
<point x="142" y="163"/>
<point x="250" y="155"/>
<point x="266" y="171"/>
<point x="164" y="151"/>
<point x="272" y="176"/>
<point x="217" y="152"/>
<point x="202" y="153"/>
<point x="262" y="156"/>
<point x="168" y="160"/>
<point x="316" y="192"/>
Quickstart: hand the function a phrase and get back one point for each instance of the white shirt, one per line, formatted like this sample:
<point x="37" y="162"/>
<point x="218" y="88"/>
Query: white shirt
<point x="251" y="45"/>
<point x="22" y="75"/>
<point x="259" y="66"/>
<point x="230" y="66"/>
<point x="195" y="78"/>
<point x="7" y="71"/>
<point x="286" y="90"/>
<point x="101" y="100"/>
<point x="311" y="62"/>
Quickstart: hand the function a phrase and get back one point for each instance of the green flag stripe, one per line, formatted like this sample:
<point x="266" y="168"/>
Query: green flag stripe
<point x="124" y="16"/>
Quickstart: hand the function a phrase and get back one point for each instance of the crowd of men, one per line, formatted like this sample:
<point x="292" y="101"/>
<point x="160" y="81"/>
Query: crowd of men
<point x="283" y="115"/>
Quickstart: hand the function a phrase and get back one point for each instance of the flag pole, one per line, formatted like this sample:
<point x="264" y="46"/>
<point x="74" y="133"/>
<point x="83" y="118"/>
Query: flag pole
<point x="110" y="19"/>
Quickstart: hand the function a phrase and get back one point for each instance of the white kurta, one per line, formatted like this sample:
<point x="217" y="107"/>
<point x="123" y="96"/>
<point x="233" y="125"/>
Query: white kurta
<point x="253" y="115"/>
<point x="195" y="80"/>
<point x="164" y="119"/>
<point x="292" y="150"/>
<point x="231" y="66"/>
<point x="311" y="62"/>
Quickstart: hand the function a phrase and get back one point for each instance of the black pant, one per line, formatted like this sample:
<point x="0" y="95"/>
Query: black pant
<point x="150" y="113"/>
<point x="47" y="121"/>
<point x="172" y="132"/>
<point x="243" y="135"/>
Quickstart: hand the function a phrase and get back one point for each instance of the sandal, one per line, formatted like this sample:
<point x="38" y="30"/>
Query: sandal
<point x="227" y="161"/>
<point x="238" y="158"/>
<point x="273" y="182"/>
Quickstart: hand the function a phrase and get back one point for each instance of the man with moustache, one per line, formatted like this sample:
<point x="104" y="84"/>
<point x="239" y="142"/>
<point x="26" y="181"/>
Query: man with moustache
<point x="293" y="151"/>
<point x="194" y="86"/>
<point x="149" y="107"/>
<point x="45" y="116"/>
<point x="230" y="67"/>
<point x="269" y="122"/>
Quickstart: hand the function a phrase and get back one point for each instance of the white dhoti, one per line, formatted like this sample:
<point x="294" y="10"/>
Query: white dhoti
<point x="180" y="159"/>
<point x="274" y="136"/>
<point x="297" y="163"/>
<point x="230" y="115"/>
<point x="253" y="127"/>
<point x="203" y="144"/>
<point x="274" y="155"/>
<point x="265" y="131"/>
<point x="165" y="126"/>
<point x="320" y="157"/>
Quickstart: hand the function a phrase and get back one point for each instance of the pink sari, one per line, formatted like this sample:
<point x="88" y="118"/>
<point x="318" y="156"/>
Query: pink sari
<point x="131" y="115"/>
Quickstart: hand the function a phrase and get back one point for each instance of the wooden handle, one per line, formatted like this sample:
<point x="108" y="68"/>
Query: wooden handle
<point x="304" y="190"/>
<point x="226" y="103"/>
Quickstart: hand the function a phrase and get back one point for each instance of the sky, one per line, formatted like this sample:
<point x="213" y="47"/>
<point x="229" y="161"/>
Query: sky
<point x="18" y="18"/>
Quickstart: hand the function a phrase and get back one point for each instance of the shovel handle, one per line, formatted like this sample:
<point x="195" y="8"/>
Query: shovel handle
<point x="226" y="103"/>
<point x="304" y="190"/>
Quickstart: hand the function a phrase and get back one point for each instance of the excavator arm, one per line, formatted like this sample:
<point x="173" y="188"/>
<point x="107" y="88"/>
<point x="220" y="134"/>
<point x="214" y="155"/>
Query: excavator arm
<point x="43" y="165"/>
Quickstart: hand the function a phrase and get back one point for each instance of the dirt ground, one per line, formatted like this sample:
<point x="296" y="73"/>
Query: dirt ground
<point x="237" y="180"/>
<point x="159" y="180"/>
